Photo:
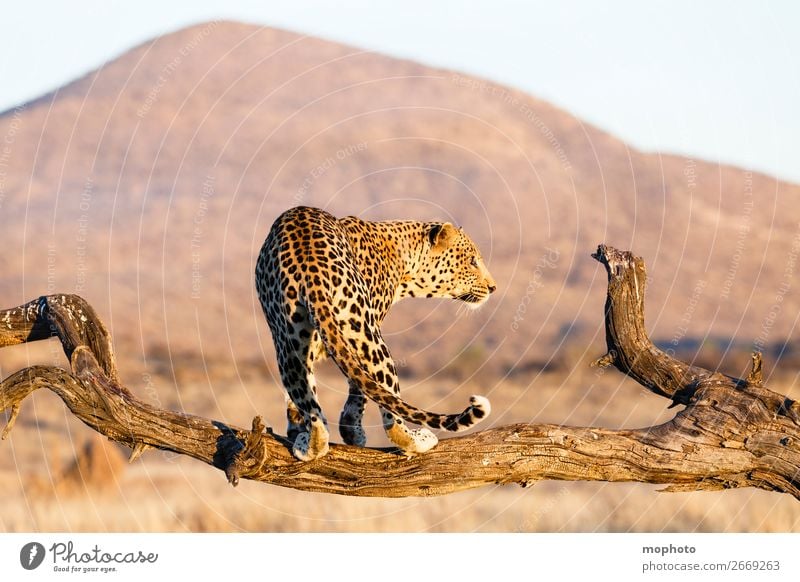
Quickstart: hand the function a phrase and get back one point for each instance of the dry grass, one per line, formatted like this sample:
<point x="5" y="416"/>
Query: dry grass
<point x="177" y="497"/>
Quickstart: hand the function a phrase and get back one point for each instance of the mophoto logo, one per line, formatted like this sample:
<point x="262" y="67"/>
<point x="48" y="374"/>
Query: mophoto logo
<point x="31" y="555"/>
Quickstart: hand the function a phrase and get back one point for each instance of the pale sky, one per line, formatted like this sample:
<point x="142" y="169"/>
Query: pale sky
<point x="715" y="80"/>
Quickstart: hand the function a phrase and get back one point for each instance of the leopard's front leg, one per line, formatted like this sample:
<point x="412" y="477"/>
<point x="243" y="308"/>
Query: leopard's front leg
<point x="351" y="421"/>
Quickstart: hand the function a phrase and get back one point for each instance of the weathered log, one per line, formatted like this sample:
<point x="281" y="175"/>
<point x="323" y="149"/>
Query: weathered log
<point x="731" y="433"/>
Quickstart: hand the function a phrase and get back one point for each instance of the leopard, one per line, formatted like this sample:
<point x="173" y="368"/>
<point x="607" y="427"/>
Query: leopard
<point x="325" y="285"/>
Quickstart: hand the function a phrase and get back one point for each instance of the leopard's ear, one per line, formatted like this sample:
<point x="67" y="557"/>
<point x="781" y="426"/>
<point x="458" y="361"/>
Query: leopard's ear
<point x="440" y="234"/>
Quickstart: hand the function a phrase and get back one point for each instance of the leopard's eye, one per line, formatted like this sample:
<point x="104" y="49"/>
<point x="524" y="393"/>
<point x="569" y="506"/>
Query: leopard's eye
<point x="474" y="262"/>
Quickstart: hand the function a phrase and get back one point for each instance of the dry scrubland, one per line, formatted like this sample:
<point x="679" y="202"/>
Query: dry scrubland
<point x="57" y="475"/>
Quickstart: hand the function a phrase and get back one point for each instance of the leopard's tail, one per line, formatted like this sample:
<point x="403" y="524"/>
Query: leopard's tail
<point x="349" y="363"/>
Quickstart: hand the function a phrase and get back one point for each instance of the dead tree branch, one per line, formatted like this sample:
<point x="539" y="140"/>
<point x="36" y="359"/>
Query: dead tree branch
<point x="731" y="433"/>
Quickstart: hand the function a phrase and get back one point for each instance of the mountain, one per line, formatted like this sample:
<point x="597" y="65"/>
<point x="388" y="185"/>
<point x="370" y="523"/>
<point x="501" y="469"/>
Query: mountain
<point x="148" y="185"/>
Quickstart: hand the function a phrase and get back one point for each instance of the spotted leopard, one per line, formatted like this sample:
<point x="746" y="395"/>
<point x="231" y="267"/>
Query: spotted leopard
<point x="325" y="286"/>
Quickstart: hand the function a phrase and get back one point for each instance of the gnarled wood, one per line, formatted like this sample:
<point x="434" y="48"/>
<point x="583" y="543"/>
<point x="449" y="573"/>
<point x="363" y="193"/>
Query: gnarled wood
<point x="731" y="433"/>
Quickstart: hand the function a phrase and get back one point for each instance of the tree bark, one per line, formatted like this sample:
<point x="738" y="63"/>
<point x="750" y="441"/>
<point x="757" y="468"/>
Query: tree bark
<point x="731" y="433"/>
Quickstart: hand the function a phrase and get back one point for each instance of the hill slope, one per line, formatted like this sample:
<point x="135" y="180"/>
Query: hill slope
<point x="148" y="186"/>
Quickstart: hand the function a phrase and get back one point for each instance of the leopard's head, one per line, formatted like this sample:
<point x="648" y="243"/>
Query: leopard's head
<point x="452" y="266"/>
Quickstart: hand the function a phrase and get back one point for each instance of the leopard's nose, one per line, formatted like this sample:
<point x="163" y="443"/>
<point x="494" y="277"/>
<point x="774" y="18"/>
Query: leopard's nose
<point x="492" y="288"/>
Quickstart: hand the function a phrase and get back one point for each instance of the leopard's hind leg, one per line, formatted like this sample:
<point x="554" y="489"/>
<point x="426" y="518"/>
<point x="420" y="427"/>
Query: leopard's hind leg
<point x="307" y="425"/>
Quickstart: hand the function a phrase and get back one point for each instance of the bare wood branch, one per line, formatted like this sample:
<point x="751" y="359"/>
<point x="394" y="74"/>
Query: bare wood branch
<point x="629" y="346"/>
<point x="732" y="433"/>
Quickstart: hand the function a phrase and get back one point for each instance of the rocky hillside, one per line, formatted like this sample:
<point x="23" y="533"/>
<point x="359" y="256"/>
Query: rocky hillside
<point x="148" y="185"/>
